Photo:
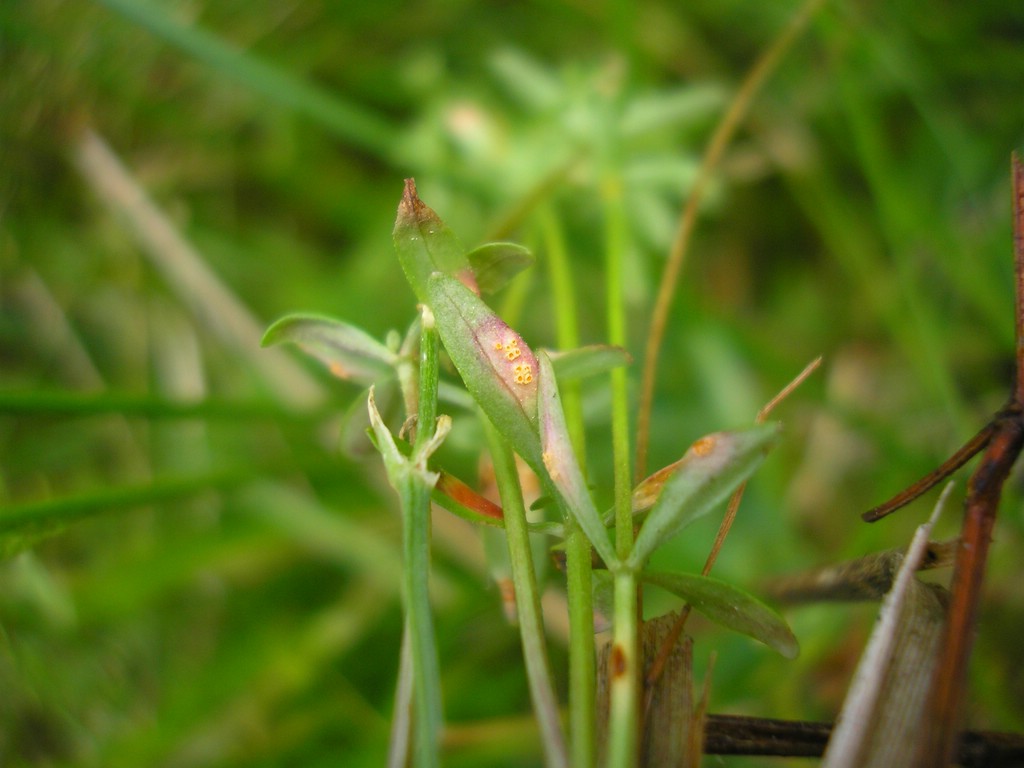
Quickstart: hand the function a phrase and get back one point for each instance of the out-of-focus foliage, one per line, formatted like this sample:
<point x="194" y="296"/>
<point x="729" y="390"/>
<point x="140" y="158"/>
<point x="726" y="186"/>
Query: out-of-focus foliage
<point x="209" y="581"/>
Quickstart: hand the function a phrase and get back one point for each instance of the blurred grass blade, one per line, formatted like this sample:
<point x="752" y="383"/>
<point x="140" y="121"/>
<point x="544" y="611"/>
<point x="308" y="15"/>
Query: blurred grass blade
<point x="497" y="366"/>
<point x="347" y="351"/>
<point x="526" y="79"/>
<point x="563" y="467"/>
<point x="682" y="106"/>
<point x="347" y="121"/>
<point x="495" y="264"/>
<point x="584" y="362"/>
<point x="336" y="537"/>
<point x="729" y="606"/>
<point x="66" y="403"/>
<point x="211" y="302"/>
<point x="33" y="517"/>
<point x="711" y="469"/>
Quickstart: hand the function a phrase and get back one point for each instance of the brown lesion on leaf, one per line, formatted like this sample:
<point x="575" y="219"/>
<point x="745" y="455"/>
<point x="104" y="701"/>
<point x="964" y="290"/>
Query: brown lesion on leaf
<point x="617" y="662"/>
<point x="410" y="205"/>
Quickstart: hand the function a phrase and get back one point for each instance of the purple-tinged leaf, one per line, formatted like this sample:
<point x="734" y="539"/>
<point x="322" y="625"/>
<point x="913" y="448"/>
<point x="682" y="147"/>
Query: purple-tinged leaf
<point x="498" y="368"/>
<point x="709" y="471"/>
<point x="563" y="467"/>
<point x="649" y="489"/>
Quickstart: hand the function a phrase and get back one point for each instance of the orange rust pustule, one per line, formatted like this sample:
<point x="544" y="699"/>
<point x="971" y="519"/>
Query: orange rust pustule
<point x="704" y="446"/>
<point x="617" y="662"/>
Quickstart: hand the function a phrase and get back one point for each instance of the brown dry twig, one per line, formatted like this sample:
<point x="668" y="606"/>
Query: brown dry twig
<point x="1001" y="440"/>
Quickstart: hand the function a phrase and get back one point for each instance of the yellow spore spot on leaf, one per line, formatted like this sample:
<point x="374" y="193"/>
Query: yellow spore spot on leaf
<point x="549" y="464"/>
<point x="522" y="374"/>
<point x="512" y="350"/>
<point x="704" y="446"/>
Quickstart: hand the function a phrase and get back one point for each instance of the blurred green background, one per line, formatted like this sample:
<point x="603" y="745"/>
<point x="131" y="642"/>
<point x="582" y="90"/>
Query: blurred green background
<point x="193" y="572"/>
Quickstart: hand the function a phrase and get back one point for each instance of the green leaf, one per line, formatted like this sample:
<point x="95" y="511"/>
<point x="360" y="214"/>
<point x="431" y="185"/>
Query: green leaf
<point x="425" y="245"/>
<point x="495" y="264"/>
<point x="711" y="469"/>
<point x="583" y="362"/>
<point x="563" y="468"/>
<point x="731" y="607"/>
<point x="347" y="351"/>
<point x="498" y="368"/>
<point x="23" y="524"/>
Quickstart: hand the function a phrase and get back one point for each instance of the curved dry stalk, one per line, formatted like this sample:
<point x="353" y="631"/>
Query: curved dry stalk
<point x="723" y="134"/>
<point x="658" y="665"/>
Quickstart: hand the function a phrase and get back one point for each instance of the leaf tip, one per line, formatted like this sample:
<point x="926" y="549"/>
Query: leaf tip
<point x="788" y="648"/>
<point x="412" y="210"/>
<point x="410" y="201"/>
<point x="271" y="336"/>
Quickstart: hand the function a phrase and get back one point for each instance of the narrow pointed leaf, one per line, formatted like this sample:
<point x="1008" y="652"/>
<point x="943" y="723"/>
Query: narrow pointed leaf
<point x="563" y="467"/>
<point x="711" y="469"/>
<point x="425" y="245"/>
<point x="347" y="351"/>
<point x="498" y="368"/>
<point x="395" y="461"/>
<point x="729" y="606"/>
<point x="353" y="438"/>
<point x="466" y="497"/>
<point x="583" y="362"/>
<point x="495" y="264"/>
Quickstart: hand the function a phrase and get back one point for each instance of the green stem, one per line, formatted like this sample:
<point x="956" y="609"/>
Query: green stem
<point x="623" y="673"/>
<point x="531" y="628"/>
<point x="416" y="543"/>
<point x="427" y="407"/>
<point x="398" y="745"/>
<point x="579" y="588"/>
<point x="623" y="667"/>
